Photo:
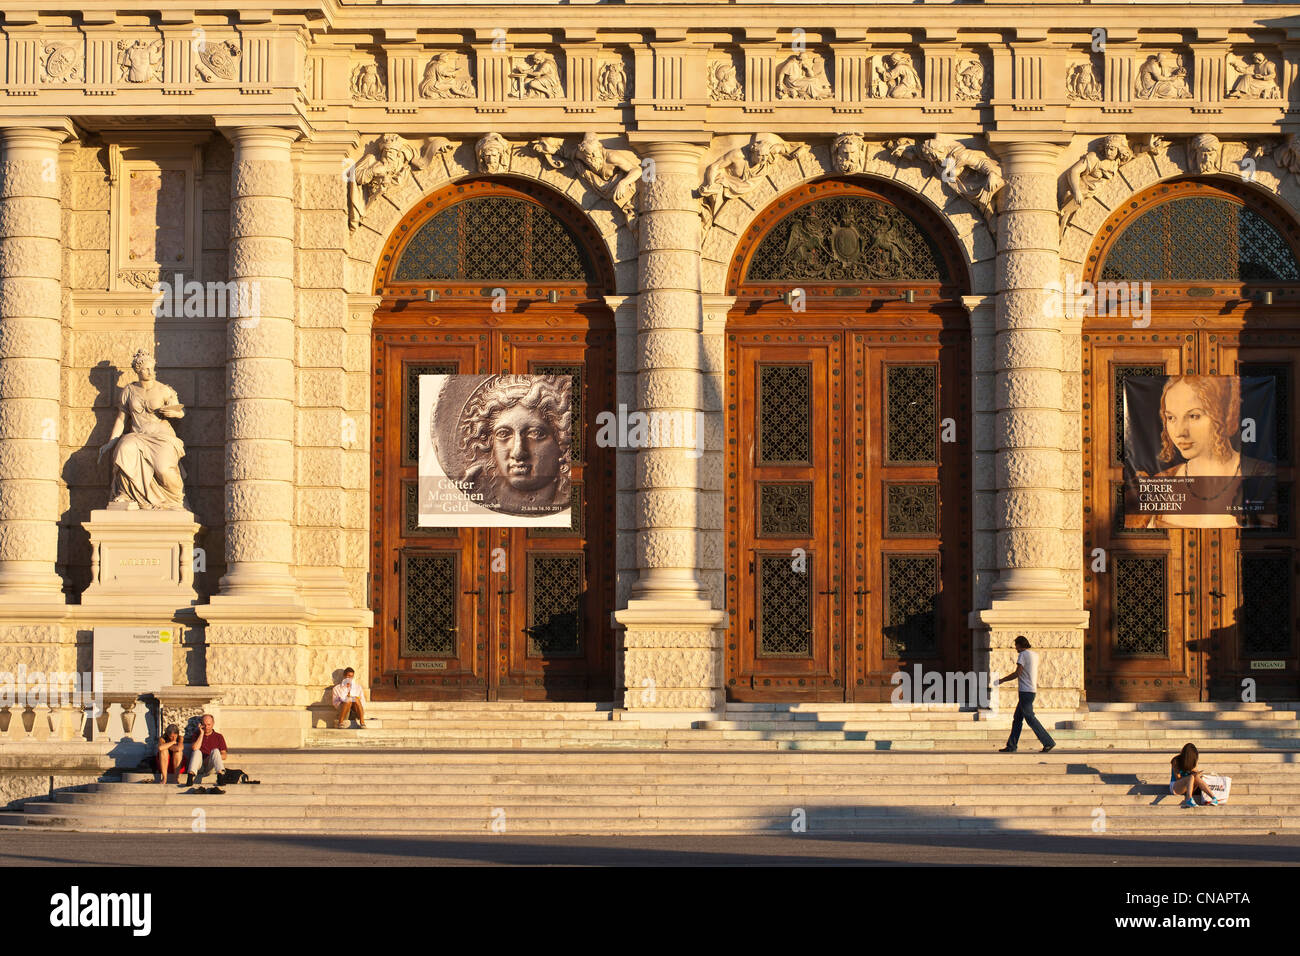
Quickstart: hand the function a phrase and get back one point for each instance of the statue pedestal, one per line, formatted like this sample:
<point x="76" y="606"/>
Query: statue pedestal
<point x="141" y="560"/>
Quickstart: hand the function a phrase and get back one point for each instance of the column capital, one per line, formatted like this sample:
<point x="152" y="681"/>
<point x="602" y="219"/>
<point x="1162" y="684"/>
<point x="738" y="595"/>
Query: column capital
<point x="675" y="149"/>
<point x="255" y="136"/>
<point x="37" y="135"/>
<point x="1028" y="148"/>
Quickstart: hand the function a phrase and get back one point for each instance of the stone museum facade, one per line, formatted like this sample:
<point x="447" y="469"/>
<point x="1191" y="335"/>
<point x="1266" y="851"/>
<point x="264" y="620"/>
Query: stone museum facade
<point x="819" y="276"/>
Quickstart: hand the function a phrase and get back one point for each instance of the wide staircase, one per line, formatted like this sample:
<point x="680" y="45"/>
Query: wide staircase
<point x="545" y="768"/>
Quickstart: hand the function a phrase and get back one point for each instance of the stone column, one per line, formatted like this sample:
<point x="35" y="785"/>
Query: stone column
<point x="1031" y="595"/>
<point x="257" y="641"/>
<point x="260" y="371"/>
<point x="31" y="349"/>
<point x="671" y="640"/>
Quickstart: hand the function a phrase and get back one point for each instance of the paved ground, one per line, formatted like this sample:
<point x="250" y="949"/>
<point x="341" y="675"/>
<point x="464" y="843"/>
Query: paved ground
<point x="46" y="848"/>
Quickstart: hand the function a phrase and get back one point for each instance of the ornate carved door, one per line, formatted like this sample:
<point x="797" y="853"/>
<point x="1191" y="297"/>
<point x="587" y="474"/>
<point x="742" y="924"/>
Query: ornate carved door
<point x="848" y="452"/>
<point x="1189" y="613"/>
<point x="494" y="612"/>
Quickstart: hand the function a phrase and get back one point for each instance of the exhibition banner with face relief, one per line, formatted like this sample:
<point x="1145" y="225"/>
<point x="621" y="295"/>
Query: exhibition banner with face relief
<point x="1200" y="451"/>
<point x="495" y="451"/>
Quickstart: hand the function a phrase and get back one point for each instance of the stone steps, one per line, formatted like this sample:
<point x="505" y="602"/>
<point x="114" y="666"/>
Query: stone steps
<point x="664" y="794"/>
<point x="578" y="771"/>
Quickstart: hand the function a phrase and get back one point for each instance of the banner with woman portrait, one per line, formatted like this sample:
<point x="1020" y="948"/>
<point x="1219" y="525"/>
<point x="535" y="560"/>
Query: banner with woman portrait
<point x="1200" y="451"/>
<point x="495" y="450"/>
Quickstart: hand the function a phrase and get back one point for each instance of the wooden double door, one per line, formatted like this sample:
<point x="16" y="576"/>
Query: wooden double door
<point x="1186" y="613"/>
<point x="493" y="613"/>
<point x="849" y="520"/>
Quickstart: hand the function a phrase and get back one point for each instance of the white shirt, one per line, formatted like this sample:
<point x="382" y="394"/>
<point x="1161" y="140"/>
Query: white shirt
<point x="1028" y="683"/>
<point x="349" y="689"/>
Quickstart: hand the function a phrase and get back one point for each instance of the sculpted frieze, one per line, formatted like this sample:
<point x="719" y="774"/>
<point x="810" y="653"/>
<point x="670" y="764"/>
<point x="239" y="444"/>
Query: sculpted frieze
<point x="723" y="83"/>
<point x="61" y="63"/>
<point x="368" y="82"/>
<point x="447" y="76"/>
<point x="968" y="80"/>
<point x="611" y="82"/>
<point x="803" y="77"/>
<point x="894" y="77"/>
<point x="140" y="61"/>
<point x="535" y="75"/>
<point x="1163" y="77"/>
<point x="1081" y="82"/>
<point x="1256" y="78"/>
<point x="218" y="61"/>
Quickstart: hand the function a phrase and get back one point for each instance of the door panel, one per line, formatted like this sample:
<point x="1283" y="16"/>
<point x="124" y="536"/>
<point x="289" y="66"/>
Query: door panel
<point x="836" y="447"/>
<point x="787" y="502"/>
<point x="491" y="613"/>
<point x="1184" y="613"/>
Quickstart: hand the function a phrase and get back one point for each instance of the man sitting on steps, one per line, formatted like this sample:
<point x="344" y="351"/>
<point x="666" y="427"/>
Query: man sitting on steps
<point x="348" y="694"/>
<point x="207" y="751"/>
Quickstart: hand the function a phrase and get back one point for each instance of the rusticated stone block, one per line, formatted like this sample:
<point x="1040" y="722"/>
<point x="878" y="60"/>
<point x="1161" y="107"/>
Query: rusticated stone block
<point x="668" y="348"/>
<point x="669" y="269"/>
<point x="1028" y="388"/>
<point x="1031" y="548"/>
<point x="258" y="177"/>
<point x="1028" y="428"/>
<point x="259" y="500"/>
<point x="259" y="540"/>
<point x="260" y="419"/>
<point x="1029" y="508"/>
<point x="665" y="468"/>
<point x="30" y="256"/>
<point x="30" y="337"/>
<point x="322" y="192"/>
<point x="322" y="348"/>
<point x="669" y="192"/>
<point x="29" y="178"/>
<point x="1029" y="468"/>
<point x="260" y="256"/>
<point x="668" y="309"/>
<point x="28" y="378"/>
<point x="256" y="458"/>
<point x="321" y="269"/>
<point x="321" y="387"/>
<point x="1031" y="229"/>
<point x="1028" y="191"/>
<point x="1028" y="269"/>
<point x="318" y="547"/>
<point x="666" y="548"/>
<point x="669" y="388"/>
<point x="1030" y="349"/>
<point x="666" y="508"/>
<point x="315" y="507"/>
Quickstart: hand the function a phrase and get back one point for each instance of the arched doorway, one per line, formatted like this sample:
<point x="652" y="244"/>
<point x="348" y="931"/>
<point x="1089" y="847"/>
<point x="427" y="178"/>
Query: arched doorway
<point x="484" y="277"/>
<point x="848" y="447"/>
<point x="1189" y="613"/>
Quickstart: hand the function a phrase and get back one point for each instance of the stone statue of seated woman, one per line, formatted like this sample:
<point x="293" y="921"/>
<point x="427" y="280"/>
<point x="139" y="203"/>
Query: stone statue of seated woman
<point x="146" y="460"/>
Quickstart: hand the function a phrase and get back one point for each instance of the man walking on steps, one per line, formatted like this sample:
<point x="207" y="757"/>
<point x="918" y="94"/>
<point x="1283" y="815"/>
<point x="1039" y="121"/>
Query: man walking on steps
<point x="1027" y="671"/>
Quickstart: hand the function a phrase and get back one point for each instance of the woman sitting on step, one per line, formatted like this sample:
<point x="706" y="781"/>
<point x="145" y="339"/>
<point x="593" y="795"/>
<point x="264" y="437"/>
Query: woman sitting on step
<point x="1185" y="779"/>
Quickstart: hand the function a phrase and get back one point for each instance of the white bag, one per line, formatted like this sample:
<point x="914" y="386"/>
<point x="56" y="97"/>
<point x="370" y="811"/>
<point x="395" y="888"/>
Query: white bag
<point x="1219" y="785"/>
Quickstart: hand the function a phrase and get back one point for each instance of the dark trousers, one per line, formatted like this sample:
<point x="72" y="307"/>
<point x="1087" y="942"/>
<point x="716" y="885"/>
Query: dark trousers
<point x="1025" y="714"/>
